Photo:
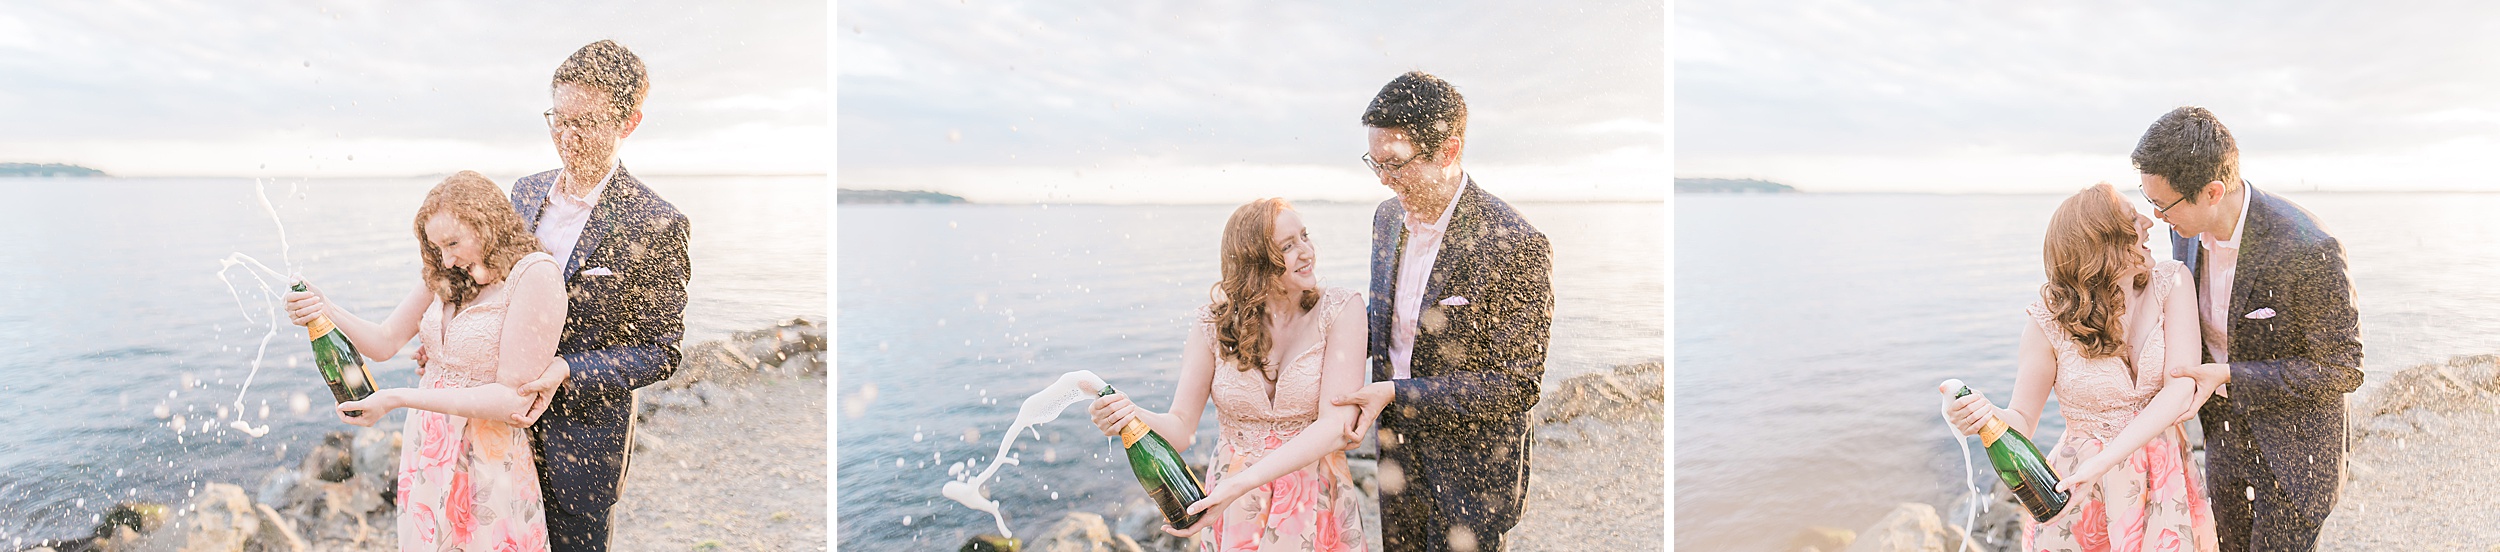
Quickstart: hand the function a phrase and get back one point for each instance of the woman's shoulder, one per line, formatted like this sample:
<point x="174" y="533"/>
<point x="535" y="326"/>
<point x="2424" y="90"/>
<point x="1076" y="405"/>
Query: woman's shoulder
<point x="537" y="268"/>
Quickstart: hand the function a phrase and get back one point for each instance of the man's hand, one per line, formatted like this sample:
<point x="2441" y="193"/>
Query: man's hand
<point x="1370" y="398"/>
<point x="421" y="358"/>
<point x="542" y="391"/>
<point x="2209" y="379"/>
<point x="303" y="306"/>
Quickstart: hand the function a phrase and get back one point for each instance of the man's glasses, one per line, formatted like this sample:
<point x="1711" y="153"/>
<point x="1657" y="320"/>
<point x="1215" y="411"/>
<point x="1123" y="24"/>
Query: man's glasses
<point x="2158" y="208"/>
<point x="1379" y="167"/>
<point x="576" y="123"/>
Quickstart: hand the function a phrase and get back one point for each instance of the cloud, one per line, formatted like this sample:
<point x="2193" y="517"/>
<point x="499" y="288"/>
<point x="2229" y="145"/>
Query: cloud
<point x="1071" y="85"/>
<point x="1931" y="79"/>
<point x="135" y="85"/>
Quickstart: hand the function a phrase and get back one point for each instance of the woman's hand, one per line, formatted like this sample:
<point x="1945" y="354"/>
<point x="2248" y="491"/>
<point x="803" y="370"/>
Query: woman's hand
<point x="368" y="411"/>
<point x="2090" y="469"/>
<point x="303" y="306"/>
<point x="1217" y="498"/>
<point x="1113" y="412"/>
<point x="1969" y="413"/>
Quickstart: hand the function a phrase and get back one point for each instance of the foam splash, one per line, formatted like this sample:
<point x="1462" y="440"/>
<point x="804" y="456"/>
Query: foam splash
<point x="255" y="269"/>
<point x="1072" y="388"/>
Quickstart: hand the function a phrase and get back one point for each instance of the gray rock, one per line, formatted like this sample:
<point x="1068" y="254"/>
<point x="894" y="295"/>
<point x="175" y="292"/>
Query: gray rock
<point x="276" y="533"/>
<point x="283" y="488"/>
<point x="1080" y="532"/>
<point x="331" y="460"/>
<point x="377" y="459"/>
<point x="1911" y="527"/>
<point x="1141" y="523"/>
<point x="1822" y="539"/>
<point x="221" y="518"/>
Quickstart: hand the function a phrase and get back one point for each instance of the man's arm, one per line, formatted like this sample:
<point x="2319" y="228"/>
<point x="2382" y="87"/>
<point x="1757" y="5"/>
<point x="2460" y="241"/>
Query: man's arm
<point x="2321" y="308"/>
<point x="650" y="352"/>
<point x="1522" y="302"/>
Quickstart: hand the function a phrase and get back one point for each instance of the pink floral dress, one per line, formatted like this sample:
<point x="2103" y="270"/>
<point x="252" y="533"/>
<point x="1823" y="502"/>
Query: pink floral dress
<point x="2155" y="500"/>
<point x="469" y="484"/>
<point x="1316" y="508"/>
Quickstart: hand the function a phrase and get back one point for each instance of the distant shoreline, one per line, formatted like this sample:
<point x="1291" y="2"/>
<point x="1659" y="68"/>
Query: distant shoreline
<point x="47" y="170"/>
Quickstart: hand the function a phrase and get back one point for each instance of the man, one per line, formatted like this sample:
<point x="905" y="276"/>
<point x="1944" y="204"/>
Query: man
<point x="2281" y="338"/>
<point x="1460" y="308"/>
<point x="625" y="268"/>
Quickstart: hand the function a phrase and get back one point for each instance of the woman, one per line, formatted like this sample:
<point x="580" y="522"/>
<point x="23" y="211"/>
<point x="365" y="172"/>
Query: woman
<point x="487" y="315"/>
<point x="2111" y="335"/>
<point x="1267" y="347"/>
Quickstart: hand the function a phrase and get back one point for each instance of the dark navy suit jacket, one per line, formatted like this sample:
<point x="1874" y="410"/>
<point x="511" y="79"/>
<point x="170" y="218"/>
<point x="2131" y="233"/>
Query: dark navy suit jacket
<point x="2289" y="370"/>
<point x="1460" y="424"/>
<point x="620" y="333"/>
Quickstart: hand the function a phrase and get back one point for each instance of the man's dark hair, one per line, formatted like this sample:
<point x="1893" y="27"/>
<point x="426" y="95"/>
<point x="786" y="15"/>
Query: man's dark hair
<point x="2190" y="148"/>
<point x="1426" y="108"/>
<point x="607" y="67"/>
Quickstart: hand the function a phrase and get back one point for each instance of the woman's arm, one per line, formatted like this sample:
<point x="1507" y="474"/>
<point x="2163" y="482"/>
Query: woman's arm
<point x="377" y="342"/>
<point x="2156" y="417"/>
<point x="2035" y="371"/>
<point x="1341" y="371"/>
<point x="532" y="323"/>
<point x="2184" y="333"/>
<point x="1189" y="398"/>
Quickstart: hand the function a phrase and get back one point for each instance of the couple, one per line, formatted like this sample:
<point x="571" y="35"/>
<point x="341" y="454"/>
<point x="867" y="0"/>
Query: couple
<point x="537" y="315"/>
<point x="1454" y="331"/>
<point x="2250" y="327"/>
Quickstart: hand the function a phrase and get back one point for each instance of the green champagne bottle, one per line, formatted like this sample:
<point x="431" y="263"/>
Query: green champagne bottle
<point x="340" y="366"/>
<point x="1159" y="468"/>
<point x="2024" y="470"/>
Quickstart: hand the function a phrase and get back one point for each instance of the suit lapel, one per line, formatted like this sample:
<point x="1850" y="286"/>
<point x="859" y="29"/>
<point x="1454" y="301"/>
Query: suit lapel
<point x="1447" y="263"/>
<point x="1385" y="269"/>
<point x="602" y="220"/>
<point x="534" y="200"/>
<point x="2251" y="267"/>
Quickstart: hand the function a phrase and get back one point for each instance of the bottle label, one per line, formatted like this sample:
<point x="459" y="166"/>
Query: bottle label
<point x="1989" y="433"/>
<point x="320" y="326"/>
<point x="1130" y="434"/>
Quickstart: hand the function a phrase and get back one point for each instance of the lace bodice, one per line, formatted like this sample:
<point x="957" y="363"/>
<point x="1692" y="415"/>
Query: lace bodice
<point x="1244" y="416"/>
<point x="466" y="350"/>
<point x="2096" y="395"/>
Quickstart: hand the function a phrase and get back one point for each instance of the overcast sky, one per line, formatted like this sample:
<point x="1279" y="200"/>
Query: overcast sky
<point x="1231" y="100"/>
<point x="2029" y="97"/>
<point x="404" y="88"/>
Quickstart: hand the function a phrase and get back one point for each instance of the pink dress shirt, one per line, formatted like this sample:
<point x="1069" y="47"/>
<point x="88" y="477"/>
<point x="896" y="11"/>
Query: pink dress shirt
<point x="1423" y="246"/>
<point x="560" y="222"/>
<point x="2222" y="263"/>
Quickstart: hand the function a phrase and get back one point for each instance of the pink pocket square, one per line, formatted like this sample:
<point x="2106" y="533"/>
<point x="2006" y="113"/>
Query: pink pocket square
<point x="2261" y="313"/>
<point x="1454" y="301"/>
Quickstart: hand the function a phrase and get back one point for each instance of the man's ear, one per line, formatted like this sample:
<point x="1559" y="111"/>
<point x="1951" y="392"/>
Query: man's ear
<point x="631" y="122"/>
<point x="2213" y="191"/>
<point x="1451" y="150"/>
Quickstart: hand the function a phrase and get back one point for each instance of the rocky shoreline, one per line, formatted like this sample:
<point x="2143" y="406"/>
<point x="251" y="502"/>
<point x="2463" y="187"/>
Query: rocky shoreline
<point x="1597" y="480"/>
<point x="767" y="492"/>
<point x="2420" y="441"/>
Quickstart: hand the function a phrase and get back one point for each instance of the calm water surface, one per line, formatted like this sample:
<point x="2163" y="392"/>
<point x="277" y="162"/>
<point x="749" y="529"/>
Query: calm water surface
<point x="951" y="315"/>
<point x="113" y="310"/>
<point x="1811" y="331"/>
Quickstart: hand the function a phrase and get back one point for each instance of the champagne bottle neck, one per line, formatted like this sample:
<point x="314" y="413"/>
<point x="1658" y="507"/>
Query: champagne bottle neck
<point x="320" y="326"/>
<point x="1995" y="428"/>
<point x="1135" y="430"/>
